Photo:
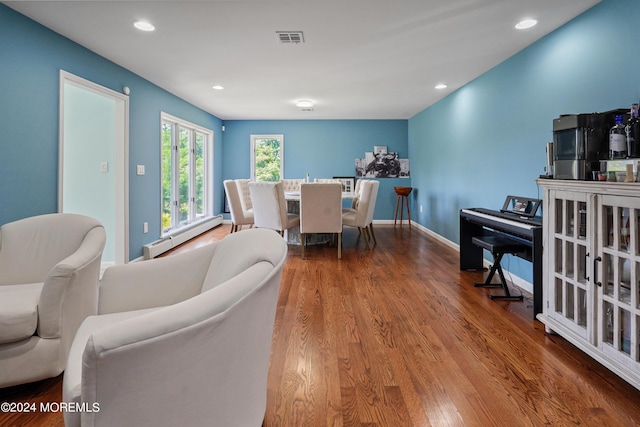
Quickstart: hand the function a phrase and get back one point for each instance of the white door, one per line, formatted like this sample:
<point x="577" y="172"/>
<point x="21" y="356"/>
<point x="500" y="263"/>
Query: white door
<point x="619" y="277"/>
<point x="570" y="293"/>
<point x="93" y="161"/>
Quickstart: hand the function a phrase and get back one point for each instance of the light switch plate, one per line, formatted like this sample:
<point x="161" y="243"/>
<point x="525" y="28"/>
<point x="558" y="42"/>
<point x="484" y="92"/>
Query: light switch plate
<point x="140" y="169"/>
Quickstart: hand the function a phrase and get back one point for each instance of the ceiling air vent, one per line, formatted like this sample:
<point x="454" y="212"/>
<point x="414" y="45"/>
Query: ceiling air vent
<point x="290" y="36"/>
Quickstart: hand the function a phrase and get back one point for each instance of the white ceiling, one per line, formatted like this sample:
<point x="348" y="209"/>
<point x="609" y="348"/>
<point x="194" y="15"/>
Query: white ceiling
<point x="361" y="59"/>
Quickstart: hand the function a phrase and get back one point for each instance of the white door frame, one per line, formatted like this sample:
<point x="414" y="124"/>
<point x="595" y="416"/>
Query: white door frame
<point x="121" y="167"/>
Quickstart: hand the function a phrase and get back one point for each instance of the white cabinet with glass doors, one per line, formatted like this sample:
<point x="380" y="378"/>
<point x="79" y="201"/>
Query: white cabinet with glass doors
<point x="591" y="285"/>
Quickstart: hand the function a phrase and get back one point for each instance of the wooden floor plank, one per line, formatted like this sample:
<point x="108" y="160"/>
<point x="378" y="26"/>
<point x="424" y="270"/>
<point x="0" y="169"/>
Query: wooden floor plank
<point x="398" y="336"/>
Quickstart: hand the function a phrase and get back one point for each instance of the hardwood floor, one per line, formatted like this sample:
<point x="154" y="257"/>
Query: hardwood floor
<point x="398" y="336"/>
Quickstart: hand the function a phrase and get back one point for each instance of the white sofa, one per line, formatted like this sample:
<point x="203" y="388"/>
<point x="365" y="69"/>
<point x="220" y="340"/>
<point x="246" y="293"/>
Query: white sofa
<point x="180" y="340"/>
<point x="49" y="271"/>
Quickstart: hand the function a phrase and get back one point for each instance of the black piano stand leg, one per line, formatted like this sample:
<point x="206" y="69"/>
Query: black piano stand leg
<point x="507" y="295"/>
<point x="487" y="283"/>
<point x="503" y="281"/>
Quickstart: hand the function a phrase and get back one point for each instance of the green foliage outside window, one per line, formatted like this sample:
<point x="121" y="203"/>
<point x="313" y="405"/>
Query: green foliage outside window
<point x="267" y="160"/>
<point x="184" y="170"/>
<point x="167" y="129"/>
<point x="200" y="173"/>
<point x="183" y="182"/>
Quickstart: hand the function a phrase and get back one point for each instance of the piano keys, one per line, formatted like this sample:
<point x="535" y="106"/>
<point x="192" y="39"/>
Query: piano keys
<point x="476" y="222"/>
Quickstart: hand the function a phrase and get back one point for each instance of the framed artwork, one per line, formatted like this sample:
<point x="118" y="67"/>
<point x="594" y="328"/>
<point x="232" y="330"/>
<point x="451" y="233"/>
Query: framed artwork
<point x="380" y="163"/>
<point x="348" y="183"/>
<point x="361" y="167"/>
<point x="379" y="149"/>
<point x="404" y="168"/>
<point x="383" y="165"/>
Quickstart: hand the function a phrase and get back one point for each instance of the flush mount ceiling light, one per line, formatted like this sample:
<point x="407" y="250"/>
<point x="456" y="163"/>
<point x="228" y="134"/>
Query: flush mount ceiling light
<point x="217" y="87"/>
<point x="441" y="86"/>
<point x="304" y="103"/>
<point x="144" y="26"/>
<point x="526" y="23"/>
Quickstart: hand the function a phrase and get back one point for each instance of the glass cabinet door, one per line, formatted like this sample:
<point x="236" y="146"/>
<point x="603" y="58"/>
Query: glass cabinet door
<point x="571" y="302"/>
<point x="619" y="299"/>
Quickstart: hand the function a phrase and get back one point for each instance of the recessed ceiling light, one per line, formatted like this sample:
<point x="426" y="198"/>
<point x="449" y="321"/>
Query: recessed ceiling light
<point x="144" y="26"/>
<point x="218" y="87"/>
<point x="526" y="23"/>
<point x="304" y="103"/>
<point x="441" y="86"/>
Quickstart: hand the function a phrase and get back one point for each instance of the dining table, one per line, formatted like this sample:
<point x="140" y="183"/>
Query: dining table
<point x="295" y="195"/>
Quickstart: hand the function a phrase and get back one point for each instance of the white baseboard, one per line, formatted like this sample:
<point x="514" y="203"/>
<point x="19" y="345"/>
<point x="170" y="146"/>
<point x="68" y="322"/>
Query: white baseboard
<point x="161" y="246"/>
<point x="515" y="280"/>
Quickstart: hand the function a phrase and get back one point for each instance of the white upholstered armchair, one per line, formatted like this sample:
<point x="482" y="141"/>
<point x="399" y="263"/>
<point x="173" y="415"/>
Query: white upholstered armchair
<point x="49" y="270"/>
<point x="182" y="340"/>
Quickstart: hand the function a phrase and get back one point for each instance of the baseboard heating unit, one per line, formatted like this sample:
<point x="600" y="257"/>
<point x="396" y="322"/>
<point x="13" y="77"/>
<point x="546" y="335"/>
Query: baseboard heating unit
<point x="161" y="246"/>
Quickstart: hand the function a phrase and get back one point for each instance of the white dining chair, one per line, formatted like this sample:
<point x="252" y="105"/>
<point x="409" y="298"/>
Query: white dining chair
<point x="292" y="185"/>
<point x="321" y="211"/>
<point x="245" y="196"/>
<point x="356" y="190"/>
<point x="270" y="207"/>
<point x="325" y="180"/>
<point x="362" y="216"/>
<point x="372" y="207"/>
<point x="239" y="216"/>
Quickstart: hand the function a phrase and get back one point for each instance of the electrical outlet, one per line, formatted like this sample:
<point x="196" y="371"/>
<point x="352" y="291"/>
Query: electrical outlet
<point x="104" y="167"/>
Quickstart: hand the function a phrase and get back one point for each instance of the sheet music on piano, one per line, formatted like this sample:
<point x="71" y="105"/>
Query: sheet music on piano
<point x="525" y="207"/>
<point x="518" y="218"/>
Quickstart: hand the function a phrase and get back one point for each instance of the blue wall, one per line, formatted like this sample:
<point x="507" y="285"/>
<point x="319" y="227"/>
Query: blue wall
<point x="487" y="139"/>
<point x="31" y="58"/>
<point x="323" y="148"/>
<point x="484" y="141"/>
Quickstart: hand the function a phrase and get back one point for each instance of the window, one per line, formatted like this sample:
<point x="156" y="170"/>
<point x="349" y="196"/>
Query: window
<point x="187" y="154"/>
<point x="267" y="159"/>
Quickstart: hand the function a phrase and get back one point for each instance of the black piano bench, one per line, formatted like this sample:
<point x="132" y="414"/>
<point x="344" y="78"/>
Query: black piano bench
<point x="498" y="246"/>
